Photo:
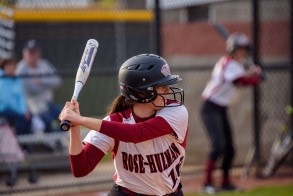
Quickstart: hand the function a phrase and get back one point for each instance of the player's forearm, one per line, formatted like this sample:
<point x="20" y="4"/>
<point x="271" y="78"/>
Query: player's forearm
<point x="247" y="80"/>
<point x="91" y="123"/>
<point x="136" y="133"/>
<point x="75" y="146"/>
<point x="84" y="162"/>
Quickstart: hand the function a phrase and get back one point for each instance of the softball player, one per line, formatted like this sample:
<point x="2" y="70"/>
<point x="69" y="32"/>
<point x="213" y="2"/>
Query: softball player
<point x="146" y="131"/>
<point x="228" y="74"/>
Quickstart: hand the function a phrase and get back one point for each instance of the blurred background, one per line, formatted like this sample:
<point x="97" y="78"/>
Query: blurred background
<point x="185" y="33"/>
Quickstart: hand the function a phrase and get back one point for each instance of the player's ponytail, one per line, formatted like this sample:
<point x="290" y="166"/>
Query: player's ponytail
<point x="120" y="103"/>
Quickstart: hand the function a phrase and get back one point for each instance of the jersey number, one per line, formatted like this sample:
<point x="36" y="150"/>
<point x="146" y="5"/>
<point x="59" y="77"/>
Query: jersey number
<point x="175" y="174"/>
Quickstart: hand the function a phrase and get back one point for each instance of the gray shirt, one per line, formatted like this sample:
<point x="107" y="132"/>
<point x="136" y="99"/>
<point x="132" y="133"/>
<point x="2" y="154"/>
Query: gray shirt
<point x="39" y="89"/>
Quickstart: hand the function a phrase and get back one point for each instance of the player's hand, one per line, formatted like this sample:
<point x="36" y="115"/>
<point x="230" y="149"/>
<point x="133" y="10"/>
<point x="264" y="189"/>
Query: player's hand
<point x="70" y="112"/>
<point x="76" y="106"/>
<point x="255" y="70"/>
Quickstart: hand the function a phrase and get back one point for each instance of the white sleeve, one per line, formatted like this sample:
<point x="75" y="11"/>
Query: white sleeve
<point x="177" y="117"/>
<point x="233" y="71"/>
<point x="101" y="141"/>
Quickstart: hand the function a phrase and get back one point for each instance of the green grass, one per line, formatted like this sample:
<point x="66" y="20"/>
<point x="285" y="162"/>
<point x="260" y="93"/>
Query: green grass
<point x="283" y="190"/>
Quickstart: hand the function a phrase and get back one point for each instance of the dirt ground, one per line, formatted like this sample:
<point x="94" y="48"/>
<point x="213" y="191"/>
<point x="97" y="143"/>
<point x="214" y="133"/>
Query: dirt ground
<point x="192" y="183"/>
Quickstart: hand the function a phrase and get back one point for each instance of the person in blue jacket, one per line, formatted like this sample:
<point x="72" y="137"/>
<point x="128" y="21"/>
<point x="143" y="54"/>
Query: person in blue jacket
<point x="12" y="99"/>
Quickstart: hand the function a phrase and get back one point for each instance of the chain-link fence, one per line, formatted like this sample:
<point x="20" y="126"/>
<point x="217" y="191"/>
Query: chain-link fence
<point x="190" y="43"/>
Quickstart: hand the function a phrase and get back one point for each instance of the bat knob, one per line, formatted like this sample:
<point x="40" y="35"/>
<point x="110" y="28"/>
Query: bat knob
<point x="262" y="76"/>
<point x="65" y="125"/>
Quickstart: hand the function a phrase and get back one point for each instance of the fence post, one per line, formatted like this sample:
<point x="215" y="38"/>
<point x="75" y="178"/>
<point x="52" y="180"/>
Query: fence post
<point x="157" y="27"/>
<point x="291" y="57"/>
<point x="256" y="89"/>
<point x="120" y="41"/>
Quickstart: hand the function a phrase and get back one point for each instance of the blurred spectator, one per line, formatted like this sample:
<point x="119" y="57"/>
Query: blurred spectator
<point x="39" y="83"/>
<point x="12" y="99"/>
<point x="228" y="74"/>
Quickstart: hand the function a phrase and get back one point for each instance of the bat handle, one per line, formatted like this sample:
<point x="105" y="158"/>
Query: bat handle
<point x="251" y="64"/>
<point x="65" y="125"/>
<point x="262" y="76"/>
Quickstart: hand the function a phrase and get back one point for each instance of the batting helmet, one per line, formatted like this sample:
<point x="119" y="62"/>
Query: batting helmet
<point x="139" y="75"/>
<point x="237" y="40"/>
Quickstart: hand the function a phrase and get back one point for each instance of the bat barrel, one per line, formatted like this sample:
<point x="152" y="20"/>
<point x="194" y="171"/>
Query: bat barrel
<point x="82" y="73"/>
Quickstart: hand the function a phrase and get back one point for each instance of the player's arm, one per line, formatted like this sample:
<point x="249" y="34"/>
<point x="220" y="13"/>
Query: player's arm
<point x="135" y="133"/>
<point x="75" y="145"/>
<point x="83" y="159"/>
<point x="247" y="80"/>
<point x="252" y="78"/>
<point x="76" y="148"/>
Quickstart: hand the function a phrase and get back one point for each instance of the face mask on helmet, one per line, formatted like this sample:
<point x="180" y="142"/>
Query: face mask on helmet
<point x="139" y="75"/>
<point x="172" y="99"/>
<point x="145" y="95"/>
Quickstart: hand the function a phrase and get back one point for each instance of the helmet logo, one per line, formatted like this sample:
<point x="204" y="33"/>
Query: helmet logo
<point x="165" y="70"/>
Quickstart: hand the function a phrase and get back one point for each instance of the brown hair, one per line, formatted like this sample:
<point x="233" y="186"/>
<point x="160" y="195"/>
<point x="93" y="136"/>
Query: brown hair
<point x="120" y="103"/>
<point x="6" y="62"/>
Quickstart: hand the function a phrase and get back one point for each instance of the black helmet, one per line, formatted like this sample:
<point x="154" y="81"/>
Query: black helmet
<point x="139" y="75"/>
<point x="237" y="40"/>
